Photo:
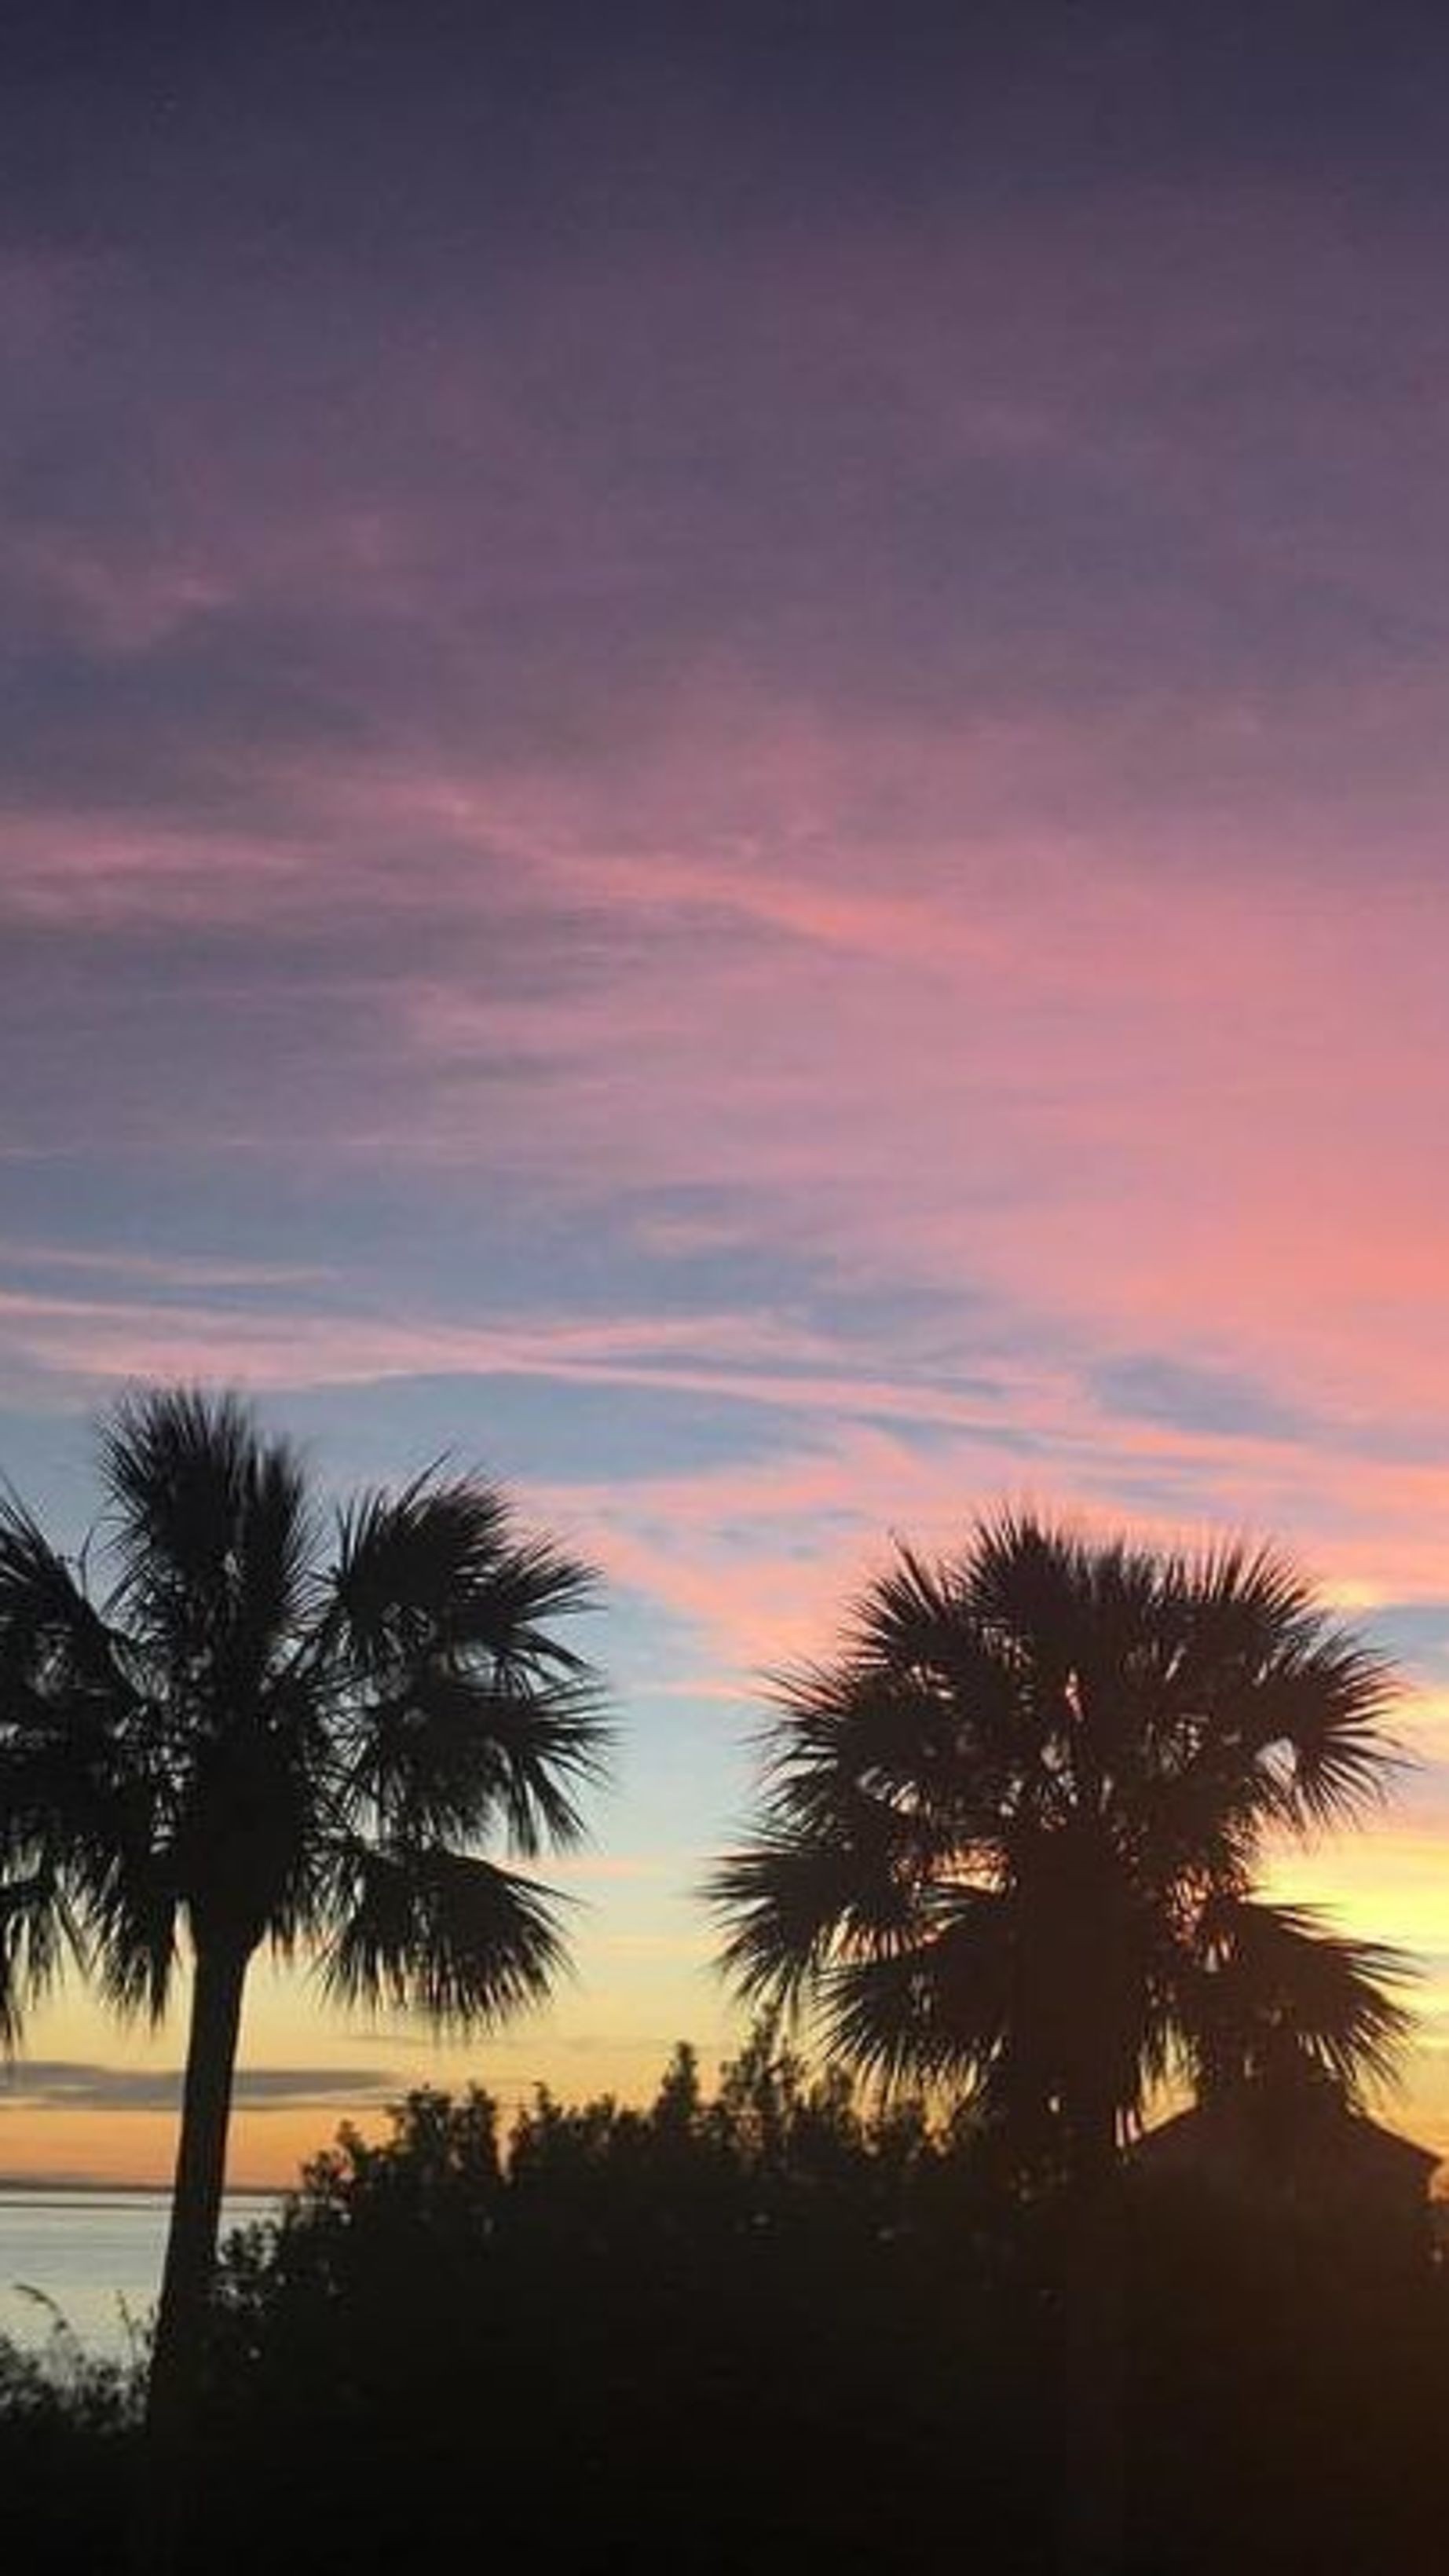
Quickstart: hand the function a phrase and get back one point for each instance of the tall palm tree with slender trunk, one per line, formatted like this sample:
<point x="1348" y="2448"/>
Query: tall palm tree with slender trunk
<point x="1009" y="1845"/>
<point x="259" y="1733"/>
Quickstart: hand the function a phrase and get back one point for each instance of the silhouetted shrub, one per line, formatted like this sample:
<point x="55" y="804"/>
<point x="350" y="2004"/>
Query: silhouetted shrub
<point x="711" y="2334"/>
<point x="68" y="2433"/>
<point x="752" y="2331"/>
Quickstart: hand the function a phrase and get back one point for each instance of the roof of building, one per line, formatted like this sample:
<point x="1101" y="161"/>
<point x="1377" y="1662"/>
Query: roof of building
<point x="1249" y="2130"/>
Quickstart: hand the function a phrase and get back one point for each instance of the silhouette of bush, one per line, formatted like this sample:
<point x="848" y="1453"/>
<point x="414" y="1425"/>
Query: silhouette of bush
<point x="711" y="2334"/>
<point x="68" y="2426"/>
<point x="1289" y="2391"/>
<point x="754" y="2330"/>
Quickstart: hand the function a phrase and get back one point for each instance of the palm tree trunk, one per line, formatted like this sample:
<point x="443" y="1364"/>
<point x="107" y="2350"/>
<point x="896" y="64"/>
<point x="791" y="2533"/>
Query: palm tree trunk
<point x="1094" y="2360"/>
<point x="216" y="2004"/>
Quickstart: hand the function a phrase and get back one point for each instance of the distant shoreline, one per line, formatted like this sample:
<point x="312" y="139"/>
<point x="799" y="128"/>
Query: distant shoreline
<point x="29" y="2186"/>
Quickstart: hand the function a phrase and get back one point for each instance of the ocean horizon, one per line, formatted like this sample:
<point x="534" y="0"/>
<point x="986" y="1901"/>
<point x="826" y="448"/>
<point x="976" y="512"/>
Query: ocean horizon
<point x="84" y="2259"/>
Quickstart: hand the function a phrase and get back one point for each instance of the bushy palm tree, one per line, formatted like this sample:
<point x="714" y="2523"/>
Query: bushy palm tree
<point x="1010" y="1835"/>
<point x="252" y="1735"/>
<point x="1009" y="1845"/>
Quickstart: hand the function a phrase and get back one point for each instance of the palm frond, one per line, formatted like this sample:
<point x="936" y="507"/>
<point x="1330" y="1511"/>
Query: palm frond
<point x="508" y="1613"/>
<point x="1323" y="1711"/>
<point x="454" y="1755"/>
<point x="428" y="1931"/>
<point x="175" y="1464"/>
<point x="466" y="1711"/>
<point x="792" y="1903"/>
<point x="935" y="2010"/>
<point x="1275" y="1983"/>
<point x="36" y="1931"/>
<point x="1029" y="1584"/>
<point x="209" y="1524"/>
<point x="68" y="1719"/>
<point x="1246" y="1598"/>
<point x="910" y="1618"/>
<point x="130" y="1911"/>
<point x="443" y="1561"/>
<point x="55" y="1647"/>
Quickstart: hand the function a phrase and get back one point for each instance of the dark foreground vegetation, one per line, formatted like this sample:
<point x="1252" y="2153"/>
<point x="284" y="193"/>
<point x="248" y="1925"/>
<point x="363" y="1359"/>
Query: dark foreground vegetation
<point x="753" y="2332"/>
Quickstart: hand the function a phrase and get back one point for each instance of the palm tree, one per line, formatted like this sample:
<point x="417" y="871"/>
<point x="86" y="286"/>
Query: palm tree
<point x="247" y="1737"/>
<point x="1008" y="1848"/>
<point x="1010" y="1836"/>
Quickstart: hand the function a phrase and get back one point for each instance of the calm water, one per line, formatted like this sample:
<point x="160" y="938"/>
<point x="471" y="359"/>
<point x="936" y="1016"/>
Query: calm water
<point x="96" y="2254"/>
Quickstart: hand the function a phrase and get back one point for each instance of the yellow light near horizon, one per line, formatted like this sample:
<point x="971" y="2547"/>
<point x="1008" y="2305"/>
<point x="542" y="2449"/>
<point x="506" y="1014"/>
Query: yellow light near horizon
<point x="136" y="2150"/>
<point x="1387" y="1884"/>
<point x="1351" y="1597"/>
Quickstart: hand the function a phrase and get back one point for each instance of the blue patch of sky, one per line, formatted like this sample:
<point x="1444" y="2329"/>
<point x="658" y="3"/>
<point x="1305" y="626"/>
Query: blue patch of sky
<point x="48" y="1461"/>
<point x="458" y="1249"/>
<point x="1416" y="1632"/>
<point x="1188" y="1395"/>
<point x="951" y="1438"/>
<point x="1195" y="1396"/>
<point x="529" y="1429"/>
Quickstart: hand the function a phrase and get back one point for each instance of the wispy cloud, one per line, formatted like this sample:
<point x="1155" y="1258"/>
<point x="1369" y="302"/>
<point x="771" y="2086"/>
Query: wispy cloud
<point x="59" y="2084"/>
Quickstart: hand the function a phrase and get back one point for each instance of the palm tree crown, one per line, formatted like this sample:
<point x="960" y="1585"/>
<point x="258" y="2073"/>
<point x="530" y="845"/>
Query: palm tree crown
<point x="256" y="1734"/>
<point x="1010" y="1836"/>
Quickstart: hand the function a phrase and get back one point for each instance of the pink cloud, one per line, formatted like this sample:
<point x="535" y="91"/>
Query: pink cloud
<point x="283" y="1347"/>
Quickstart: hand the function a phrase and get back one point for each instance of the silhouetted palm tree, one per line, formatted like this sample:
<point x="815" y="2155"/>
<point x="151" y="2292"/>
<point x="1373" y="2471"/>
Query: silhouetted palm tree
<point x="1010" y="1837"/>
<point x="251" y="1738"/>
<point x="1008" y="1846"/>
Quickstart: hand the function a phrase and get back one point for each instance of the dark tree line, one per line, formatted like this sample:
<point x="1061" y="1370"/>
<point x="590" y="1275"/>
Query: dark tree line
<point x="763" y="2329"/>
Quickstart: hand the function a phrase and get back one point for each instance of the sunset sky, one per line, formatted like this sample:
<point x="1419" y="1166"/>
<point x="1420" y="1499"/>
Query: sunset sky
<point x="723" y="766"/>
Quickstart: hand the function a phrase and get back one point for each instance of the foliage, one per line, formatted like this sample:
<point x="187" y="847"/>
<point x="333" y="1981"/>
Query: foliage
<point x="1010" y="1835"/>
<point x="249" y="1731"/>
<point x="269" y="1738"/>
<point x="655" y="2297"/>
<point x="68" y="2422"/>
<point x="764" y="2327"/>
